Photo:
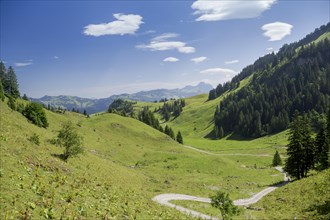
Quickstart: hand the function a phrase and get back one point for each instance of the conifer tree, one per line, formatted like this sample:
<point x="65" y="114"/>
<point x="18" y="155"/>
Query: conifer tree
<point x="221" y="132"/>
<point x="25" y="97"/>
<point x="277" y="159"/>
<point x="12" y="84"/>
<point x="300" y="149"/>
<point x="179" y="138"/>
<point x="322" y="150"/>
<point x="2" y="93"/>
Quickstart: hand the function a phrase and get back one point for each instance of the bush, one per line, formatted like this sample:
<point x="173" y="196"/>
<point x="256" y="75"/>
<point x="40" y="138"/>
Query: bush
<point x="226" y="206"/>
<point x="70" y="140"/>
<point x="34" y="139"/>
<point x="35" y="113"/>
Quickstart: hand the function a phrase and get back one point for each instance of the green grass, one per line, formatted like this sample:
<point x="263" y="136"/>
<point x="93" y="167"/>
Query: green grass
<point x="308" y="198"/>
<point x="125" y="164"/>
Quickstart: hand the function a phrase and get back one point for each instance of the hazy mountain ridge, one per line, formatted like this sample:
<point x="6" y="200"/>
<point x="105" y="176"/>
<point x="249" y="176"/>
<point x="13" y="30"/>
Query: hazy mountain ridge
<point x="98" y="105"/>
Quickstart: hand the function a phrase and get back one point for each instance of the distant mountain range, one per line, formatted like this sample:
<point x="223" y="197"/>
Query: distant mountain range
<point x="99" y="105"/>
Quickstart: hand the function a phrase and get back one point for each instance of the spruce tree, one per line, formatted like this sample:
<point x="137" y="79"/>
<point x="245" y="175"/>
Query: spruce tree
<point x="3" y="75"/>
<point x="300" y="149"/>
<point x="277" y="159"/>
<point x="12" y="89"/>
<point x="221" y="132"/>
<point x="179" y="138"/>
<point x="2" y="93"/>
<point x="171" y="133"/>
<point x="322" y="150"/>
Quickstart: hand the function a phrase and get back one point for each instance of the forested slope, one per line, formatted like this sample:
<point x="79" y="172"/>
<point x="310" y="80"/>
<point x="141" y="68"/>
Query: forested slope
<point x="297" y="78"/>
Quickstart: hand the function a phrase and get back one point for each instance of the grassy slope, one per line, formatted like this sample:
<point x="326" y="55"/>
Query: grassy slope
<point x="304" y="199"/>
<point x="34" y="183"/>
<point x="126" y="163"/>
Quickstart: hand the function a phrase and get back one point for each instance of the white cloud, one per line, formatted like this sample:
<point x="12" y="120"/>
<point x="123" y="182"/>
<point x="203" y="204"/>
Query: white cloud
<point x="224" y="10"/>
<point x="22" y="64"/>
<point x="277" y="30"/>
<point x="171" y="59"/>
<point x="218" y="71"/>
<point x="198" y="59"/>
<point x="161" y="43"/>
<point x="56" y="57"/>
<point x="270" y="49"/>
<point x="125" y="24"/>
<point x="231" y="61"/>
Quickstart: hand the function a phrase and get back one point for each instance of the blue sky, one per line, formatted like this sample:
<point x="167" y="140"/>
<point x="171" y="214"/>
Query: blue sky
<point x="100" y="48"/>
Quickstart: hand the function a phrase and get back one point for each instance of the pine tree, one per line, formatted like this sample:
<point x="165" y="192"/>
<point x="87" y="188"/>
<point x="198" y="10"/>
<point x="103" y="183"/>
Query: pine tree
<point x="277" y="159"/>
<point x="2" y="93"/>
<point x="221" y="132"/>
<point x="322" y="150"/>
<point x="25" y="97"/>
<point x="300" y="149"/>
<point x="12" y="84"/>
<point x="179" y="138"/>
<point x="3" y="76"/>
<point x="171" y="133"/>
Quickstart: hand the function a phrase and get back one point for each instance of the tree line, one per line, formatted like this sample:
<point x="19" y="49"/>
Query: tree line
<point x="147" y="117"/>
<point x="171" y="109"/>
<point x="125" y="108"/>
<point x="287" y="83"/>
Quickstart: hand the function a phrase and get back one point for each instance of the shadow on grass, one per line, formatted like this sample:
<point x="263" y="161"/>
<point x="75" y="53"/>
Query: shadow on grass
<point x="322" y="209"/>
<point x="60" y="156"/>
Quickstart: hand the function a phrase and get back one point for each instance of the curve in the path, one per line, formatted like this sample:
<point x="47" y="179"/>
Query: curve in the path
<point x="165" y="199"/>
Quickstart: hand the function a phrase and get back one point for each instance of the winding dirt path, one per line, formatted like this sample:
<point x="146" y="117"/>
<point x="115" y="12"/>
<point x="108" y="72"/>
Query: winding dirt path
<point x="233" y="154"/>
<point x="165" y="199"/>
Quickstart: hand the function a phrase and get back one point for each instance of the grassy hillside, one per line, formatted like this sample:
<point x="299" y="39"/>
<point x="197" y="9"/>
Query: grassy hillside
<point x="304" y="199"/>
<point x="125" y="164"/>
<point x="36" y="184"/>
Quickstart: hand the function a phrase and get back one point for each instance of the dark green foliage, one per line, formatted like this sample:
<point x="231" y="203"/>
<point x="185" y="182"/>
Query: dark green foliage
<point x="322" y="150"/>
<point x="172" y="109"/>
<point x="3" y="77"/>
<point x="2" y="92"/>
<point x="282" y="83"/>
<point x="11" y="103"/>
<point x="12" y="85"/>
<point x="226" y="206"/>
<point x="168" y="131"/>
<point x="36" y="114"/>
<point x="70" y="140"/>
<point x="121" y="107"/>
<point x="147" y="117"/>
<point x="179" y="138"/>
<point x="9" y="81"/>
<point x="300" y="151"/>
<point x="34" y="139"/>
<point x="277" y="159"/>
<point x="25" y="97"/>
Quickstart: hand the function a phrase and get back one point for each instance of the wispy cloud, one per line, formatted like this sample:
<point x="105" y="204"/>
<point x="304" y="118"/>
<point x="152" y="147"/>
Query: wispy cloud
<point x="217" y="71"/>
<point x="231" y="62"/>
<point x="209" y="10"/>
<point x="162" y="43"/>
<point x="171" y="59"/>
<point x="22" y="64"/>
<point x="270" y="49"/>
<point x="198" y="59"/>
<point x="56" y="57"/>
<point x="277" y="30"/>
<point x="125" y="24"/>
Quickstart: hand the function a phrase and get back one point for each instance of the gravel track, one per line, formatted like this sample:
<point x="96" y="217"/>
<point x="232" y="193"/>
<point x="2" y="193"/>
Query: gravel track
<point x="164" y="199"/>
